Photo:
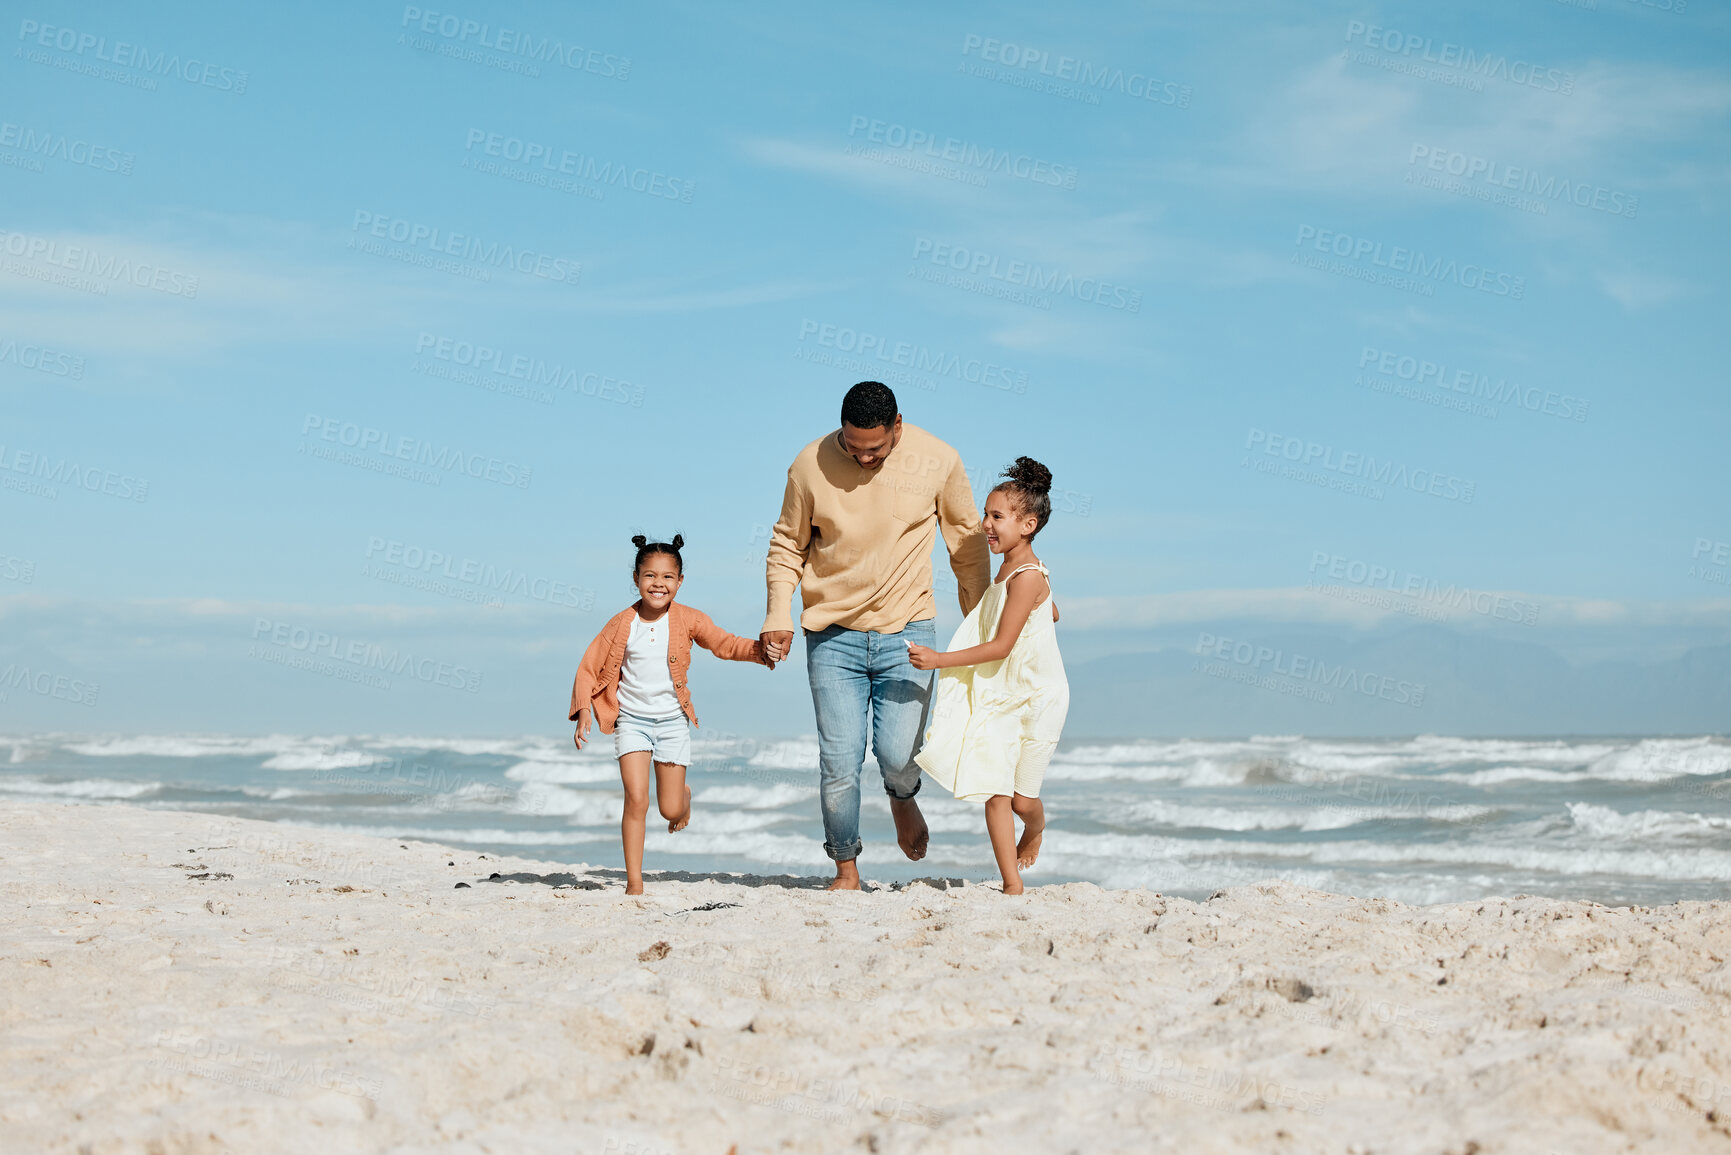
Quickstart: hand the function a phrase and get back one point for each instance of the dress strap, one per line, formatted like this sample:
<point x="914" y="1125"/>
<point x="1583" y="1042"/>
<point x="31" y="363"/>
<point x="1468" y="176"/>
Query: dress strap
<point x="1030" y="565"/>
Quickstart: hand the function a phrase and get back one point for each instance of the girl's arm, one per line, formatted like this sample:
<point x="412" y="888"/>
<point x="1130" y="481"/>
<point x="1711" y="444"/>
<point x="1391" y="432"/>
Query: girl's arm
<point x="1026" y="590"/>
<point x="583" y="686"/>
<point x="726" y="646"/>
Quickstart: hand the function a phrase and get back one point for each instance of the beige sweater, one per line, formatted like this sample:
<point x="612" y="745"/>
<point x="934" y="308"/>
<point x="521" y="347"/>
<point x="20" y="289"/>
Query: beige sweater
<point x="859" y="541"/>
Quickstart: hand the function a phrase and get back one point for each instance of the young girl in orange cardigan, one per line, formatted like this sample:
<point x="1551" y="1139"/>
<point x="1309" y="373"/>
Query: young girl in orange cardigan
<point x="632" y="683"/>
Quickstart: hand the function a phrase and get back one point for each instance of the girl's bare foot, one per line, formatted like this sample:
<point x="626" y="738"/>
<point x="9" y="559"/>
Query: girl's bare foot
<point x="1013" y="887"/>
<point x="633" y="888"/>
<point x="684" y="815"/>
<point x="1028" y="849"/>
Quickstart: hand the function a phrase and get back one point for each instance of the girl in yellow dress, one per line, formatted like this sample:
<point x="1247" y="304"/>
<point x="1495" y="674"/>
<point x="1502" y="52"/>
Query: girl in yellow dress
<point x="1000" y="701"/>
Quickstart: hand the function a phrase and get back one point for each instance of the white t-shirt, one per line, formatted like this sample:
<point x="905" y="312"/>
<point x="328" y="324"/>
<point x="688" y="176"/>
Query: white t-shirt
<point x="645" y="683"/>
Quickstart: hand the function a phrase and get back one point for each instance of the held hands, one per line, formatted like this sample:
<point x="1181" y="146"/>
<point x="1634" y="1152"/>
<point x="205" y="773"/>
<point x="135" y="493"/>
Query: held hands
<point x="923" y="657"/>
<point x="582" y="734"/>
<point x="776" y="644"/>
<point x="763" y="655"/>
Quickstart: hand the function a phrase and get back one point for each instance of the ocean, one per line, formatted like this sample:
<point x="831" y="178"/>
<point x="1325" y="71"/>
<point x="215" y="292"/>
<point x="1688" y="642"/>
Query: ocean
<point x="1621" y="821"/>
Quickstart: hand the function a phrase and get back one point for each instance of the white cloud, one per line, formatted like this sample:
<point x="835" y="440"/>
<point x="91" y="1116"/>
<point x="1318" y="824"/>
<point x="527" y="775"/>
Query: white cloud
<point x="1350" y="128"/>
<point x="1635" y="290"/>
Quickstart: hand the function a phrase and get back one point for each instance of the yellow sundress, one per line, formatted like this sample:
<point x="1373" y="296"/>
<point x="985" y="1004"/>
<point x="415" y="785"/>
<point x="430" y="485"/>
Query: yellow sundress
<point x="994" y="726"/>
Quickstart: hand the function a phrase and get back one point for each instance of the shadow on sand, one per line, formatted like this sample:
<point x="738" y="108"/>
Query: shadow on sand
<point x="785" y="881"/>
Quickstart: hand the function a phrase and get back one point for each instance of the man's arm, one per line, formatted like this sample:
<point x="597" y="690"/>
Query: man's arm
<point x="788" y="543"/>
<point x="959" y="521"/>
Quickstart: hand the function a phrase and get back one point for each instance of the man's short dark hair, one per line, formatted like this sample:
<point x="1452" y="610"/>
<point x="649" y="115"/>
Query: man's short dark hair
<point x="868" y="405"/>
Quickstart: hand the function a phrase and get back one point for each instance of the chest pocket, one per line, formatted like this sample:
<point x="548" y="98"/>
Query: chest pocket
<point x="915" y="500"/>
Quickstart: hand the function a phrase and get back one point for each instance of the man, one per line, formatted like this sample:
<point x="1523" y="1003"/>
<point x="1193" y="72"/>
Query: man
<point x="862" y="507"/>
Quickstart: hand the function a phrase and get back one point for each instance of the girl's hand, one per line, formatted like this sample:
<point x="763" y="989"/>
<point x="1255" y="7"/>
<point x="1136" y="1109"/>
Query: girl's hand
<point x="923" y="657"/>
<point x="582" y="734"/>
<point x="763" y="654"/>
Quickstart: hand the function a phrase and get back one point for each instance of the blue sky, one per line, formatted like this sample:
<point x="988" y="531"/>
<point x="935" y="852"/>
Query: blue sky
<point x="1364" y="261"/>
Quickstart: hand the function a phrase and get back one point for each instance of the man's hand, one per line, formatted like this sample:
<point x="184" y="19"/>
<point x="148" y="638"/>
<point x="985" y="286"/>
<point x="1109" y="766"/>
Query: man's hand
<point x="776" y="644"/>
<point x="923" y="657"/>
<point x="582" y="734"/>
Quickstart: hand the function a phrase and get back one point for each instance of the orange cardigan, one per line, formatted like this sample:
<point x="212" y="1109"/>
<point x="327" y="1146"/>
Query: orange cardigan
<point x="597" y="683"/>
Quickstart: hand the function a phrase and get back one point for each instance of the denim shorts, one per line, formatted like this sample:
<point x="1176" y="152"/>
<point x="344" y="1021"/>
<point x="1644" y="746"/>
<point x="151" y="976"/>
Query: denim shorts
<point x="666" y="739"/>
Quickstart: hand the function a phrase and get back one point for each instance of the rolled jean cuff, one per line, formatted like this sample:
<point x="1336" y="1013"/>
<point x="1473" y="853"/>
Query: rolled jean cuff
<point x="890" y="790"/>
<point x="844" y="855"/>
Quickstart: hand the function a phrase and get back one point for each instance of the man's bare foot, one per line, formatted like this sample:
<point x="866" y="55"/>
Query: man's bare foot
<point x="846" y="876"/>
<point x="634" y="888"/>
<point x="911" y="832"/>
<point x="684" y="815"/>
<point x="1013" y="887"/>
<point x="1028" y="849"/>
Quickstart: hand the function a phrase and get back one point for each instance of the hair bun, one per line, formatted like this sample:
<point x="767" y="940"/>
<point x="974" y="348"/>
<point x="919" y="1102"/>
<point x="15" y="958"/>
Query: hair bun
<point x="639" y="540"/>
<point x="679" y="541"/>
<point x="1030" y="474"/>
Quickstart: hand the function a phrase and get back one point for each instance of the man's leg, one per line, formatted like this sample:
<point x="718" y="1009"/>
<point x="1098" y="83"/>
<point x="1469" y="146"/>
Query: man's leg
<point x="901" y="697"/>
<point x="840" y="695"/>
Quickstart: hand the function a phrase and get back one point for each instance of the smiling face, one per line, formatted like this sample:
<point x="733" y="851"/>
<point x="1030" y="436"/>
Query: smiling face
<point x="869" y="447"/>
<point x="1006" y="526"/>
<point x="658" y="580"/>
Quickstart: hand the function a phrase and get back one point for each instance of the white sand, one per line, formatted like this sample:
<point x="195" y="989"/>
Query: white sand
<point x="338" y="994"/>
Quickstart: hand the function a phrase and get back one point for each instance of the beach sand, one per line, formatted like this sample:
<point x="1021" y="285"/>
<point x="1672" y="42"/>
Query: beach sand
<point x="182" y="983"/>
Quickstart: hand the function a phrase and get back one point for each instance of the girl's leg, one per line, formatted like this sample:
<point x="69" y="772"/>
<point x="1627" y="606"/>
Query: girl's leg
<point x="672" y="795"/>
<point x="1001" y="826"/>
<point x="1033" y="816"/>
<point x="634" y="773"/>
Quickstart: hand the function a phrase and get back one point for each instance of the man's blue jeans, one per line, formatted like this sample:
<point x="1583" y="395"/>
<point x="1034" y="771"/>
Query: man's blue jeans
<point x="856" y="675"/>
